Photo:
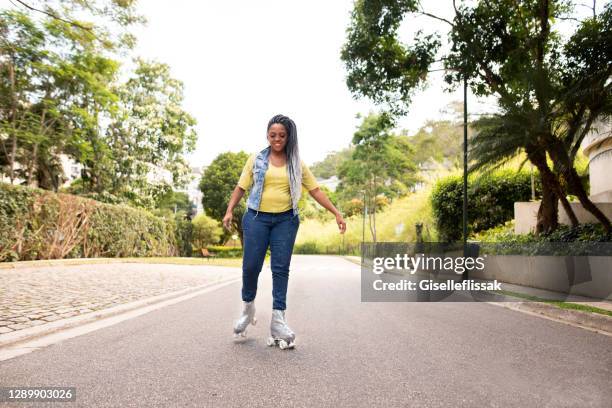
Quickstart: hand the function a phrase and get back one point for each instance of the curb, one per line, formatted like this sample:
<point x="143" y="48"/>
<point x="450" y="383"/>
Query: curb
<point x="91" y="261"/>
<point x="351" y="258"/>
<point x="589" y="321"/>
<point x="63" y="262"/>
<point x="585" y="320"/>
<point x="31" y="333"/>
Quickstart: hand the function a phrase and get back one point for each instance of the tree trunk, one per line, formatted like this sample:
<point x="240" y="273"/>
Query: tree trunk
<point x="372" y="213"/>
<point x="372" y="232"/>
<point x="374" y="219"/>
<point x="548" y="213"/>
<point x="560" y="191"/>
<point x="577" y="188"/>
<point x="374" y="209"/>
<point x="560" y="156"/>
<point x="33" y="160"/>
<point x="568" y="209"/>
<point x="551" y="182"/>
<point x="11" y="158"/>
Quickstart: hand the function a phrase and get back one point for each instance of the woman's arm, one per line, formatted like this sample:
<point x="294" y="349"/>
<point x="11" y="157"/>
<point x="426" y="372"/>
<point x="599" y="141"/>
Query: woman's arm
<point x="322" y="199"/>
<point x="234" y="199"/>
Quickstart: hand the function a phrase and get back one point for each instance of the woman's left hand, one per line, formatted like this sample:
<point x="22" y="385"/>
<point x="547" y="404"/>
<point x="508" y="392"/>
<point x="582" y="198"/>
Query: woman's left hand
<point x="341" y="223"/>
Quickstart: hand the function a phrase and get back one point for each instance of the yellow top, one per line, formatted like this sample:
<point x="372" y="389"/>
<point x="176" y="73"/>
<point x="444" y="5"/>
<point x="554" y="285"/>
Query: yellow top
<point x="276" y="195"/>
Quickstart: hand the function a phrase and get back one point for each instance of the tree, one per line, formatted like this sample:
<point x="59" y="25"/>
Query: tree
<point x="217" y="183"/>
<point x="309" y="208"/>
<point x="150" y="131"/>
<point x="55" y="73"/>
<point x="175" y="200"/>
<point x="60" y="94"/>
<point x="113" y="19"/>
<point x="330" y="165"/>
<point x="440" y="141"/>
<point x="554" y="88"/>
<point x="23" y="117"/>
<point x="206" y="231"/>
<point x="381" y="164"/>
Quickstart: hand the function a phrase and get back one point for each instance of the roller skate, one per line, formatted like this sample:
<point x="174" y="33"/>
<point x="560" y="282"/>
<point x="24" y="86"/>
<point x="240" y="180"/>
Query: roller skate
<point x="248" y="316"/>
<point x="280" y="333"/>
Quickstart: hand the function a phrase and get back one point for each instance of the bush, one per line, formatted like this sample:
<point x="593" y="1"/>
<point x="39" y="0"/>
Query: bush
<point x="39" y="224"/>
<point x="225" y="252"/>
<point x="184" y="234"/>
<point x="585" y="239"/>
<point x="581" y="233"/>
<point x="306" y="248"/>
<point x="312" y="248"/>
<point x="206" y="231"/>
<point x="491" y="199"/>
<point x="352" y="207"/>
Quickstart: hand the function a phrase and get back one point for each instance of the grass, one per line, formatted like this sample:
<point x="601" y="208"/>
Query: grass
<point x="558" y="303"/>
<point x="402" y="214"/>
<point x="233" y="262"/>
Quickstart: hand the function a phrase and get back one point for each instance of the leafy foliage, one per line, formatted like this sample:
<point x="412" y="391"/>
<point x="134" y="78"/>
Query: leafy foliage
<point x="60" y="94"/>
<point x="38" y="224"/>
<point x="217" y="183"/>
<point x="330" y="165"/>
<point x="440" y="141"/>
<point x="380" y="164"/>
<point x="206" y="231"/>
<point x="379" y="65"/>
<point x="550" y="89"/>
<point x="491" y="200"/>
<point x="225" y="251"/>
<point x="585" y="239"/>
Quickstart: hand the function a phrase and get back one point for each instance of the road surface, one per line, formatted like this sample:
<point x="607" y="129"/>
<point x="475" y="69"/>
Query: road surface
<point x="348" y="354"/>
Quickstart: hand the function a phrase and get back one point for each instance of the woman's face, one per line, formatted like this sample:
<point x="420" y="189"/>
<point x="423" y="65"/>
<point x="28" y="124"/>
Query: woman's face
<point x="277" y="137"/>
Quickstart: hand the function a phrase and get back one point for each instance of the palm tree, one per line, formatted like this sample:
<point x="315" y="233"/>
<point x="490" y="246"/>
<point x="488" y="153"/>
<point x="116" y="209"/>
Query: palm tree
<point x="501" y="137"/>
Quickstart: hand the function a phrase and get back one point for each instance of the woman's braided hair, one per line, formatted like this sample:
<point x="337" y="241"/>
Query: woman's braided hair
<point x="294" y="165"/>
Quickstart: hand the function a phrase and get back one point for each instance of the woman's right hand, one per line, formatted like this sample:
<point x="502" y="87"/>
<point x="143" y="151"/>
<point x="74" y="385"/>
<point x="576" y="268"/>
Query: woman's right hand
<point x="227" y="220"/>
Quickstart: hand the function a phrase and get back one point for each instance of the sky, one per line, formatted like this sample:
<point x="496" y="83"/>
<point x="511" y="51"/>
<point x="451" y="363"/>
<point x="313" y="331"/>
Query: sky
<point x="242" y="62"/>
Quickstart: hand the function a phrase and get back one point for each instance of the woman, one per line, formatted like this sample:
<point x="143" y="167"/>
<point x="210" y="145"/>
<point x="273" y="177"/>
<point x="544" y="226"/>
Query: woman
<point x="275" y="176"/>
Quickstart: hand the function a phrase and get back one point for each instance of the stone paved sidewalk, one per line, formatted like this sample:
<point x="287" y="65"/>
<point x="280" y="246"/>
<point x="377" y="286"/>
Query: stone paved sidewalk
<point x="35" y="296"/>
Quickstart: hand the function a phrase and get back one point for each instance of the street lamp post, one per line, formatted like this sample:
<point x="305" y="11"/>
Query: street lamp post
<point x="465" y="160"/>
<point x="465" y="173"/>
<point x="365" y="209"/>
<point x="465" y="154"/>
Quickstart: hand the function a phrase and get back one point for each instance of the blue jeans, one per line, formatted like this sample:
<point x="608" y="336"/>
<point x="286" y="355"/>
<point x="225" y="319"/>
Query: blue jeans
<point x="260" y="230"/>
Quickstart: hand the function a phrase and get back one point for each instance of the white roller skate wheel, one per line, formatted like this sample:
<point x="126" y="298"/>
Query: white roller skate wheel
<point x="282" y="344"/>
<point x="270" y="341"/>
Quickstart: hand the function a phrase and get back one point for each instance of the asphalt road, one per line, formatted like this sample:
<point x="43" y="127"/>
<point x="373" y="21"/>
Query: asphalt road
<point x="348" y="354"/>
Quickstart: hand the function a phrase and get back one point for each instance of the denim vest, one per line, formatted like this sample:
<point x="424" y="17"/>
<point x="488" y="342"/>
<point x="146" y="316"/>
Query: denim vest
<point x="260" y="166"/>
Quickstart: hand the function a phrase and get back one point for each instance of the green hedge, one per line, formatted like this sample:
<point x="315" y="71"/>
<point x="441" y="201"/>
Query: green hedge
<point x="224" y="252"/>
<point x="39" y="224"/>
<point x="314" y="248"/>
<point x="588" y="232"/>
<point x="491" y="200"/>
<point x="585" y="239"/>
